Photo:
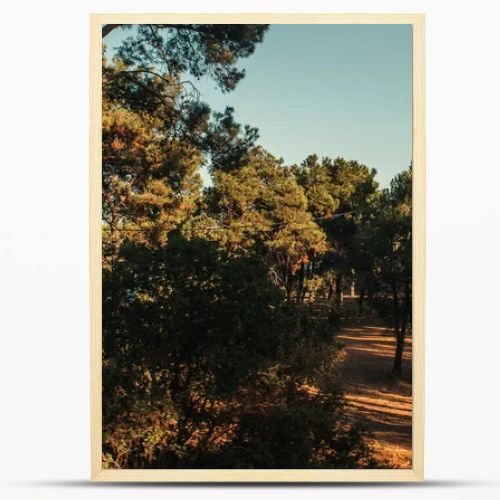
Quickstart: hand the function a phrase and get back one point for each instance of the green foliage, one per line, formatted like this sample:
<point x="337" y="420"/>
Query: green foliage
<point x="342" y="196"/>
<point x="308" y="431"/>
<point x="198" y="49"/>
<point x="195" y="343"/>
<point x="228" y="142"/>
<point x="219" y="330"/>
<point x="392" y="250"/>
<point x="262" y="208"/>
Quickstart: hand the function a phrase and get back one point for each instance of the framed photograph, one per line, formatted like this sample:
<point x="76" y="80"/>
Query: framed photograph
<point x="257" y="247"/>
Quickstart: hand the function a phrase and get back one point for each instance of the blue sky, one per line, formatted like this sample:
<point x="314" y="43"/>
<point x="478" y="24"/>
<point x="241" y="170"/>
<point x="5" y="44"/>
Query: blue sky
<point x="332" y="90"/>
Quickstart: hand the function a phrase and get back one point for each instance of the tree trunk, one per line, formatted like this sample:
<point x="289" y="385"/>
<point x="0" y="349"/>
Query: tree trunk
<point x="361" y="301"/>
<point x="289" y="285"/>
<point x="331" y="289"/>
<point x="407" y="307"/>
<point x="400" y="332"/>
<point x="303" y="295"/>
<point x="338" y="290"/>
<point x="300" y="288"/>
<point x="398" y="358"/>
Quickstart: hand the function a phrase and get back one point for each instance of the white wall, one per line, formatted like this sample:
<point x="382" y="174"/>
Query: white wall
<point x="44" y="446"/>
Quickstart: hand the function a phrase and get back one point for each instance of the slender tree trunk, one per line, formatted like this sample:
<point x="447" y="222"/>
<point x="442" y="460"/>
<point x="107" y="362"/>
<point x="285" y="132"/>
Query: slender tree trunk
<point x="398" y="358"/>
<point x="331" y="289"/>
<point x="407" y="308"/>
<point x="300" y="287"/>
<point x="290" y="283"/>
<point x="304" y="293"/>
<point x="400" y="333"/>
<point x="338" y="289"/>
<point x="361" y="300"/>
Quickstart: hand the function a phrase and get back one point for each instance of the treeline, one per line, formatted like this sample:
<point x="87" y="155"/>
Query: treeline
<point x="220" y="304"/>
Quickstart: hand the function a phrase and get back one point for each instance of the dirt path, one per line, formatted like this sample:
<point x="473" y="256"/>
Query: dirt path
<point x="382" y="406"/>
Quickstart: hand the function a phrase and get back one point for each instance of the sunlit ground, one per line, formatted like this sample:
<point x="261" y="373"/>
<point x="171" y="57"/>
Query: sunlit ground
<point x="384" y="407"/>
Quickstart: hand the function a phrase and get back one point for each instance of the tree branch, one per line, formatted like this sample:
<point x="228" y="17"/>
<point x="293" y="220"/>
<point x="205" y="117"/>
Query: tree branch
<point x="108" y="28"/>
<point x="126" y="75"/>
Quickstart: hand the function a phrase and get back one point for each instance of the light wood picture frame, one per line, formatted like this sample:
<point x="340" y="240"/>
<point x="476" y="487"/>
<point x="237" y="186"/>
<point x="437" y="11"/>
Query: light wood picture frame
<point x="416" y="473"/>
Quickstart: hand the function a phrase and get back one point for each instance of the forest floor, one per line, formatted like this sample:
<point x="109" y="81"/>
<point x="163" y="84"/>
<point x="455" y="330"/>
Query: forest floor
<point x="379" y="404"/>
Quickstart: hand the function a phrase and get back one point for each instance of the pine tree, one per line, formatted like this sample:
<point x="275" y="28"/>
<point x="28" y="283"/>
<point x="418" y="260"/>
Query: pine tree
<point x="392" y="251"/>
